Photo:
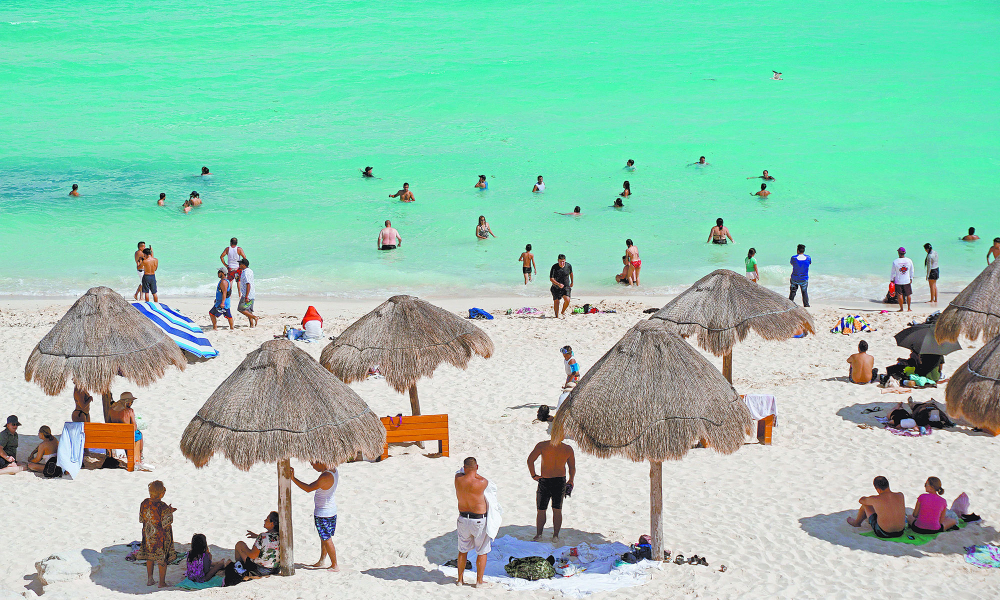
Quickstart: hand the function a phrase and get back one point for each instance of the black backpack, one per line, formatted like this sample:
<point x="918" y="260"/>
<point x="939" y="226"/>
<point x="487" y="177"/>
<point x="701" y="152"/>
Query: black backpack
<point x="51" y="470"/>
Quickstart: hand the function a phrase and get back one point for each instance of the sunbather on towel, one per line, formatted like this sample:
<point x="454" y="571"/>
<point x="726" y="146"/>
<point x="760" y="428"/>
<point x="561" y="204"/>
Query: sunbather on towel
<point x="929" y="414"/>
<point x="901" y="417"/>
<point x="885" y="511"/>
<point x="861" y="362"/>
<point x="929" y="511"/>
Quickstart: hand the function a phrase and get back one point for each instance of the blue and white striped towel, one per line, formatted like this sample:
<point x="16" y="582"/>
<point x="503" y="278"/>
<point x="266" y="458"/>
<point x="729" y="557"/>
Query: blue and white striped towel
<point x="179" y="328"/>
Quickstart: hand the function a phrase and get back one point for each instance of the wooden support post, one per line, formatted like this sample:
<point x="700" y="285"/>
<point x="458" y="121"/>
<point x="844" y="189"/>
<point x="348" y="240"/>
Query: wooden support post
<point x="286" y="556"/>
<point x="415" y="407"/>
<point x="727" y="366"/>
<point x="107" y="399"/>
<point x="656" y="508"/>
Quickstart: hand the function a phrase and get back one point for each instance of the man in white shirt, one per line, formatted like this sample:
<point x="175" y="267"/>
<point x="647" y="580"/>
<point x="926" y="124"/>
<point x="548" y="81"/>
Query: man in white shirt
<point x="248" y="291"/>
<point x="902" y="276"/>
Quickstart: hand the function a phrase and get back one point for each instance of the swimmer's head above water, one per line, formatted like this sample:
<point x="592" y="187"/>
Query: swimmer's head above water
<point x="204" y="171"/>
<point x="630" y="163"/>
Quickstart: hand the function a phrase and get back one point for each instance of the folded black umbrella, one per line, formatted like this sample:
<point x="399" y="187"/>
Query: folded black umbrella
<point x="920" y="339"/>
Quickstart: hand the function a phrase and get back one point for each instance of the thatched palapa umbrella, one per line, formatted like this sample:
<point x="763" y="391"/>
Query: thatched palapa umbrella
<point x="973" y="392"/>
<point x="722" y="307"/>
<point x="407" y="338"/>
<point x="99" y="337"/>
<point x="975" y="310"/>
<point x="277" y="405"/>
<point x="652" y="397"/>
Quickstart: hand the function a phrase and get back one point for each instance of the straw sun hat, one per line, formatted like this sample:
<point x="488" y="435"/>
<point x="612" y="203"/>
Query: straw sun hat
<point x="123" y="402"/>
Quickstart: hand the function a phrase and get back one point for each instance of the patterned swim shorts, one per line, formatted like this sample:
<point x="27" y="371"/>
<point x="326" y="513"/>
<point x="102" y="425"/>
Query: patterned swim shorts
<point x="326" y="526"/>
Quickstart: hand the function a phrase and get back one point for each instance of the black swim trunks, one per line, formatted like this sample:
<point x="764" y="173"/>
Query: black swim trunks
<point x="526" y="270"/>
<point x="720" y="241"/>
<point x="550" y="488"/>
<point x="873" y="521"/>
<point x="559" y="292"/>
<point x="388" y="247"/>
<point x="904" y="289"/>
<point x="934" y="275"/>
<point x="149" y="284"/>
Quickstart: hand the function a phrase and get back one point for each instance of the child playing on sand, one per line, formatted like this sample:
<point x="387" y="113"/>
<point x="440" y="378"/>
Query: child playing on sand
<point x="200" y="567"/>
<point x="572" y="367"/>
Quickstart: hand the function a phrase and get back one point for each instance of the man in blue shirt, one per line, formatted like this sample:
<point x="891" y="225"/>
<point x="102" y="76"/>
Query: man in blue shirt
<point x="800" y="275"/>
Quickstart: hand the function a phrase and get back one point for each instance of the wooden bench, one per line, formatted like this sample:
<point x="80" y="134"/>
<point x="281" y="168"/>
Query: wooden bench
<point x="112" y="436"/>
<point x="416" y="428"/>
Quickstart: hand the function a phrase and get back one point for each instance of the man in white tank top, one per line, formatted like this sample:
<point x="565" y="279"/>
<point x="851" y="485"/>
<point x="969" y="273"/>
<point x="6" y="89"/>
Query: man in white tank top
<point x="325" y="511"/>
<point x="231" y="258"/>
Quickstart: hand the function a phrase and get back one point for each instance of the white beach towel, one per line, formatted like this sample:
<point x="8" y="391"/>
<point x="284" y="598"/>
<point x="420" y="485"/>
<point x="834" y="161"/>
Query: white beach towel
<point x="69" y="455"/>
<point x="599" y="574"/>
<point x="494" y="511"/>
<point x="762" y="405"/>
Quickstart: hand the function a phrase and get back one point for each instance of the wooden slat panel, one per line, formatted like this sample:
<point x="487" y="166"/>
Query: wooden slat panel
<point x="416" y="419"/>
<point x="422" y="434"/>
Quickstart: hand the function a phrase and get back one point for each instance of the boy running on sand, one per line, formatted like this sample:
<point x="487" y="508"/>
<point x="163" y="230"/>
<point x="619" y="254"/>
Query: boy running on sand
<point x="527" y="263"/>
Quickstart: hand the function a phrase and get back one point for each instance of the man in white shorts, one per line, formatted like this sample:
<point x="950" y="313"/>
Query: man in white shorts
<point x="470" y="488"/>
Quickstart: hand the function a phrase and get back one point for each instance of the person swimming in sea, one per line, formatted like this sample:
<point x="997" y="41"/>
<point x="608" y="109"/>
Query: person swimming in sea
<point x="75" y="190"/>
<point x="763" y="193"/>
<point x="618" y="203"/>
<point x="186" y="206"/>
<point x="367" y="172"/>
<point x="404" y="195"/>
<point x="575" y="213"/>
<point x="627" y="191"/>
<point x="719" y="233"/>
<point x="163" y="200"/>
<point x="630" y="165"/>
<point x="539" y="186"/>
<point x="776" y="76"/>
<point x="701" y="162"/>
<point x="481" y="184"/>
<point x="765" y="176"/>
<point x="195" y="199"/>
<point x="969" y="238"/>
<point x="204" y="171"/>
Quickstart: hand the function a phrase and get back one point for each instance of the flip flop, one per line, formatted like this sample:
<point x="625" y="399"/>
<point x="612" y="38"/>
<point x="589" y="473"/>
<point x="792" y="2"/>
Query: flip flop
<point x="679" y="560"/>
<point x="694" y="560"/>
<point x="722" y="569"/>
<point x="703" y="561"/>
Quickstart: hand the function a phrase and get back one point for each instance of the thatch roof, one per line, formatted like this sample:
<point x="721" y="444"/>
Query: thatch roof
<point x="722" y="307"/>
<point x="652" y="397"/>
<point x="973" y="392"/>
<point x="408" y="338"/>
<point x="975" y="310"/>
<point x="100" y="337"/>
<point x="278" y="404"/>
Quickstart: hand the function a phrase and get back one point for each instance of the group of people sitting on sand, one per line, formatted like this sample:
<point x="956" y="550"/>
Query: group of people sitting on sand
<point x="41" y="455"/>
<point x="920" y="369"/>
<point x="886" y="511"/>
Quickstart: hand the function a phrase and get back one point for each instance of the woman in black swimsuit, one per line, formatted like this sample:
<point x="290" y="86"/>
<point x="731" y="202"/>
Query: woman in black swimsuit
<point x="81" y="414"/>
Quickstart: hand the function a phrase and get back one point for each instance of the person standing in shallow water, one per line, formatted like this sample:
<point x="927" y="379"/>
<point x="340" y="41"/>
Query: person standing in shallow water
<point x="635" y="263"/>
<point x="763" y="193"/>
<point x="720" y="233"/>
<point x="539" y="185"/>
<point x="481" y="184"/>
<point x="75" y="191"/>
<point x="527" y="260"/>
<point x="163" y="200"/>
<point x="324" y="511"/>
<point x="404" y="195"/>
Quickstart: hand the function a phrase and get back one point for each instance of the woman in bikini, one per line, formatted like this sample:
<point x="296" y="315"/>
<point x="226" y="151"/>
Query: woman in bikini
<point x="627" y="191"/>
<point x="46" y="450"/>
<point x="635" y="264"/>
<point x="81" y="414"/>
<point x="719" y="233"/>
<point x="483" y="230"/>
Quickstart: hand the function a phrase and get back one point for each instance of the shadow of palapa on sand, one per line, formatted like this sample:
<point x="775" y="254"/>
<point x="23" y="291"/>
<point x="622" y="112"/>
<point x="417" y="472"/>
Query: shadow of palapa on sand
<point x="445" y="547"/>
<point x="856" y="414"/>
<point x="835" y="529"/>
<point x="128" y="577"/>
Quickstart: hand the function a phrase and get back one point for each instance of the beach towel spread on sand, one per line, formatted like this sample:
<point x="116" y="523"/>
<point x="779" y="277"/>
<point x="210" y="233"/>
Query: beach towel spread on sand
<point x="179" y="328"/>
<point x="69" y="454"/>
<point x="983" y="555"/>
<point x="187" y="584"/>
<point x="600" y="574"/>
<point x="916" y="432"/>
<point x="909" y="536"/>
<point x="853" y="324"/>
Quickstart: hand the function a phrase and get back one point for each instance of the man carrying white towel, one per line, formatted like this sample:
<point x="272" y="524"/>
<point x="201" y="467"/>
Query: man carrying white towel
<point x="473" y="533"/>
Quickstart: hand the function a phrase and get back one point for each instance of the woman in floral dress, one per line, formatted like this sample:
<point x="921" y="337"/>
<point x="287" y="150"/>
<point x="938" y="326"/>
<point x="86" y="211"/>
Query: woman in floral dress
<point x="157" y="519"/>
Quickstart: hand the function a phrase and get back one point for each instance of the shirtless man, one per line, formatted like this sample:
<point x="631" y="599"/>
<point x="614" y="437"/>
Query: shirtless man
<point x="634" y="262"/>
<point x="404" y="195"/>
<point x="885" y="511"/>
<point x="701" y="161"/>
<point x="138" y="267"/>
<point x="576" y="212"/>
<point x="994" y="251"/>
<point x="204" y="171"/>
<point x="861" y="362"/>
<point x="527" y="263"/>
<point x="195" y="199"/>
<point x="163" y="200"/>
<point x="149" y="265"/>
<point x="388" y="238"/>
<point x="552" y="483"/>
<point x="75" y="191"/>
<point x="765" y="176"/>
<point x="719" y="233"/>
<point x="539" y="185"/>
<point x="763" y="193"/>
<point x="622" y="277"/>
<point x="972" y="235"/>
<point x="472" y="509"/>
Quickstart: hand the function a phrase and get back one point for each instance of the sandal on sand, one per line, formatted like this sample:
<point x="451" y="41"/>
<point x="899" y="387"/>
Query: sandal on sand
<point x="679" y="560"/>
<point x="666" y="555"/>
<point x="703" y="561"/>
<point x="865" y="426"/>
<point x="722" y="569"/>
<point x="694" y="560"/>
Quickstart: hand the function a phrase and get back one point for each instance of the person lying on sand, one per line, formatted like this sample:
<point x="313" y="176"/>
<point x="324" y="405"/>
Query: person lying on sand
<point x="861" y="363"/>
<point x="885" y="511"/>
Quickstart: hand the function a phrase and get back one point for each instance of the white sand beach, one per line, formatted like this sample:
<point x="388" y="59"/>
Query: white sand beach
<point x="774" y="515"/>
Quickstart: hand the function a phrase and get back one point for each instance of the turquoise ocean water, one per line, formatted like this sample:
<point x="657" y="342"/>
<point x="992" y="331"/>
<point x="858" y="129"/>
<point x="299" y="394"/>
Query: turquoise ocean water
<point x="883" y="133"/>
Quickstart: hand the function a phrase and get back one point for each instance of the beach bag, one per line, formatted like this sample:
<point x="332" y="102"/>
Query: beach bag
<point x="140" y="423"/>
<point x="478" y="313"/>
<point x="51" y="470"/>
<point x="961" y="505"/>
<point x="235" y="573"/>
<point x="531" y="568"/>
<point x="642" y="551"/>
